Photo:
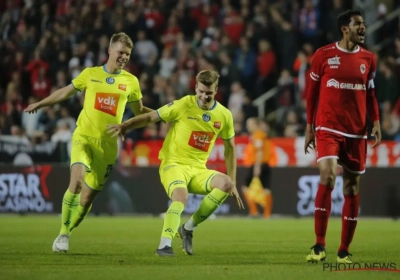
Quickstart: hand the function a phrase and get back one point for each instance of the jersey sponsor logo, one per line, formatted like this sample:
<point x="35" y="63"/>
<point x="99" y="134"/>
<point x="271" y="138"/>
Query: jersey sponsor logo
<point x="96" y="81"/>
<point x="122" y="87"/>
<point x="201" y="140"/>
<point x="362" y="68"/>
<point x="334" y="62"/>
<point x="107" y="103"/>
<point x="110" y="80"/>
<point x="192" y="118"/>
<point x="206" y="117"/>
<point x="217" y="125"/>
<point x="335" y="84"/>
<point x="332" y="83"/>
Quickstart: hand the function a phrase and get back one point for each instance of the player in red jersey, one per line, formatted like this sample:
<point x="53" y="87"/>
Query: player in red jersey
<point x="339" y="98"/>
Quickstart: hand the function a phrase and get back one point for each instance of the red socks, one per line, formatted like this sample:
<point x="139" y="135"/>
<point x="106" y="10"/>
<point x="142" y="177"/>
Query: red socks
<point x="322" y="212"/>
<point x="323" y="204"/>
<point x="349" y="220"/>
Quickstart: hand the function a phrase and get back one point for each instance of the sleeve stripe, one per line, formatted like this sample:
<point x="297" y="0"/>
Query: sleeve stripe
<point x="134" y="100"/>
<point x="228" y="138"/>
<point x="75" y="86"/>
<point x="314" y="77"/>
<point x="158" y="113"/>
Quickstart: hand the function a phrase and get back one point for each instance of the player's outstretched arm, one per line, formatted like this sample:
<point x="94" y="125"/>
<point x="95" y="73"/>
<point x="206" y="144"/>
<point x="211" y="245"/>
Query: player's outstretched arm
<point x="138" y="109"/>
<point x="54" y="98"/>
<point x="230" y="158"/>
<point x="313" y="91"/>
<point x="132" y="123"/>
<point x="372" y="105"/>
<point x="230" y="162"/>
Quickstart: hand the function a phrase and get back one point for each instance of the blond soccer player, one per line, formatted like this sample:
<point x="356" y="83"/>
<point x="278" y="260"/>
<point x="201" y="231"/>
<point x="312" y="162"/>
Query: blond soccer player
<point x="94" y="152"/>
<point x="197" y="121"/>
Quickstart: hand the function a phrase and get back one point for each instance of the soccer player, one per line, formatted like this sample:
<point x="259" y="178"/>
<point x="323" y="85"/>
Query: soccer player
<point x="196" y="120"/>
<point x="94" y="152"/>
<point x="340" y="95"/>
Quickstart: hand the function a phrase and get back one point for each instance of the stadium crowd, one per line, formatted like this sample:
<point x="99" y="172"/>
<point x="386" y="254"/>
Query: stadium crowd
<point x="254" y="45"/>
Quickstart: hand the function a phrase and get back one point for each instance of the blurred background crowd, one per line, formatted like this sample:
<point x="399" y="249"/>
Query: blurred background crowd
<point x="255" y="45"/>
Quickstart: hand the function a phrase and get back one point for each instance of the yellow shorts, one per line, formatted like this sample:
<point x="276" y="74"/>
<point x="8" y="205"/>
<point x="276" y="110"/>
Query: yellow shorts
<point x="196" y="179"/>
<point x="98" y="156"/>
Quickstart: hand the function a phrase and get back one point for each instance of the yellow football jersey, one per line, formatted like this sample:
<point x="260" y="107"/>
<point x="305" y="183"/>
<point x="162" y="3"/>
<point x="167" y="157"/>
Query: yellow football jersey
<point x="193" y="131"/>
<point x="105" y="99"/>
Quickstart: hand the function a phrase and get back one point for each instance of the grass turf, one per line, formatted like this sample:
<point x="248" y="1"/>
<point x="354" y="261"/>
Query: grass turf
<point x="225" y="248"/>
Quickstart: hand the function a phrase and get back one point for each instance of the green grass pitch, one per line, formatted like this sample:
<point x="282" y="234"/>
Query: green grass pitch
<point x="225" y="248"/>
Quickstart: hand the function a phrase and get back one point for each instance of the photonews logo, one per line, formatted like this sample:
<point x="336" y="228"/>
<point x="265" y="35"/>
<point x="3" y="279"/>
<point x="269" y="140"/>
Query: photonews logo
<point x="376" y="266"/>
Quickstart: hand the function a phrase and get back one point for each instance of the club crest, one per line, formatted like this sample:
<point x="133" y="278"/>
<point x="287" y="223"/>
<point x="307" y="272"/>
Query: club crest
<point x="362" y="68"/>
<point x="206" y="117"/>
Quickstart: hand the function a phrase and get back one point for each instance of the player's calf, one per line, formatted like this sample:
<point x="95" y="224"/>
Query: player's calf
<point x="172" y="221"/>
<point x="221" y="186"/>
<point x="83" y="208"/>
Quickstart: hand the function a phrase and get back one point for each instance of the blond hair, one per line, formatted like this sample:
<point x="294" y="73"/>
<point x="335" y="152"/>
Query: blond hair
<point x="123" y="38"/>
<point x="207" y="77"/>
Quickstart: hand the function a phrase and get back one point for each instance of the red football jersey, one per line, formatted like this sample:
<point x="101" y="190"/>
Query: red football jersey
<point x="342" y="89"/>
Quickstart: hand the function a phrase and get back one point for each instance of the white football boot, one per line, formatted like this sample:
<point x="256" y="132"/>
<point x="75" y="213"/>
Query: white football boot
<point x="61" y="244"/>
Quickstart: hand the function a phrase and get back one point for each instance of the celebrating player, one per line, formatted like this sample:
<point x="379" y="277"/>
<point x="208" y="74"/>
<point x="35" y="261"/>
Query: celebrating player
<point x="196" y="123"/>
<point x="94" y="152"/>
<point x="342" y="80"/>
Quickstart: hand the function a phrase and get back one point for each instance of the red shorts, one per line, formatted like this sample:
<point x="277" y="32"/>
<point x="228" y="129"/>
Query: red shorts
<point x="350" y="152"/>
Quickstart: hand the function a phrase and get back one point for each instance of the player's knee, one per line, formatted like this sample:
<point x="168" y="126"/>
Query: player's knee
<point x="76" y="184"/>
<point x="224" y="183"/>
<point x="351" y="185"/>
<point x="87" y="196"/>
<point x="180" y="194"/>
<point x="328" y="177"/>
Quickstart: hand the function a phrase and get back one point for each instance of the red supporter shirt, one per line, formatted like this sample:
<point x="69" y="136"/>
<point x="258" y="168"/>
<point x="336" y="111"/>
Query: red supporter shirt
<point x="341" y="91"/>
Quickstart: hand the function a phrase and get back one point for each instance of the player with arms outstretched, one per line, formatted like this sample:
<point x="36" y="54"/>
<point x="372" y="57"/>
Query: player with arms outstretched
<point x="341" y="95"/>
<point x="196" y="120"/>
<point x="94" y="151"/>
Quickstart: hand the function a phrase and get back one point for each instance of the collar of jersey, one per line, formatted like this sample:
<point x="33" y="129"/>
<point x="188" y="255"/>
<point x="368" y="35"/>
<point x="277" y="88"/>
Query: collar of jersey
<point x="212" y="108"/>
<point x="346" y="51"/>
<point x="105" y="70"/>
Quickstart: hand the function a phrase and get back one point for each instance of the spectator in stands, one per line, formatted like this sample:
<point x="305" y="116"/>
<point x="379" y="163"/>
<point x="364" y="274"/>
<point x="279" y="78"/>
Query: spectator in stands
<point x="144" y="49"/>
<point x="308" y="21"/>
<point x="390" y="121"/>
<point x="62" y="133"/>
<point x="245" y="61"/>
<point x="388" y="89"/>
<point x="236" y="99"/>
<point x="266" y="64"/>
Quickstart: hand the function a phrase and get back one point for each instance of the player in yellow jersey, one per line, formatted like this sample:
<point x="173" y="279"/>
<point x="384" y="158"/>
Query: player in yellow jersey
<point x="196" y="120"/>
<point x="94" y="152"/>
